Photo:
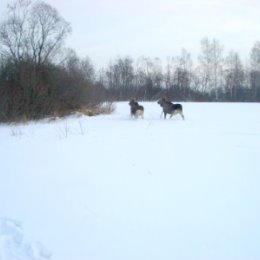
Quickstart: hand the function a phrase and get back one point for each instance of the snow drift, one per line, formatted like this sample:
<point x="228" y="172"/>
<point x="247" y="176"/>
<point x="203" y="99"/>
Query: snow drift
<point x="111" y="187"/>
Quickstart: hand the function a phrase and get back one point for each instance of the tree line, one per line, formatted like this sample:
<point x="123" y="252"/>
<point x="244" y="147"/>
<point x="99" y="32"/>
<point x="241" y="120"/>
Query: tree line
<point x="39" y="77"/>
<point x="215" y="77"/>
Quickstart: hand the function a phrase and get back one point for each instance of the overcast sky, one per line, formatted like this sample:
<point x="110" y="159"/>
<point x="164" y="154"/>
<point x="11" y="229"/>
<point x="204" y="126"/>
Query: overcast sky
<point x="105" y="29"/>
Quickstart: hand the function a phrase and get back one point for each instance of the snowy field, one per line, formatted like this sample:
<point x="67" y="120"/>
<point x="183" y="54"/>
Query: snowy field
<point x="115" y="188"/>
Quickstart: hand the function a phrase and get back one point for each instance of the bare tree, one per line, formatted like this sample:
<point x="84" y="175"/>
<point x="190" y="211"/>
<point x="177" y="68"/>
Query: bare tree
<point x="13" y="38"/>
<point x="169" y="72"/>
<point x="31" y="37"/>
<point x="183" y="74"/>
<point x="150" y="76"/>
<point x="80" y="68"/>
<point x="120" y="76"/>
<point x="32" y="31"/>
<point x="255" y="71"/>
<point x="255" y="56"/>
<point x="234" y="75"/>
<point x="126" y="72"/>
<point x="211" y="65"/>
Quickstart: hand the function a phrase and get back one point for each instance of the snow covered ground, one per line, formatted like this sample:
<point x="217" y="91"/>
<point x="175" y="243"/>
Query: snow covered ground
<point x="115" y="188"/>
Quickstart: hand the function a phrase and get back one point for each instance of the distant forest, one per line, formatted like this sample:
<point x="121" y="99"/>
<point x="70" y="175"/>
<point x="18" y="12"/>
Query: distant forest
<point x="39" y="77"/>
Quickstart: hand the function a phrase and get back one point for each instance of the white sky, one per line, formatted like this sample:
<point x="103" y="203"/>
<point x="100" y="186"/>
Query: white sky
<point x="105" y="29"/>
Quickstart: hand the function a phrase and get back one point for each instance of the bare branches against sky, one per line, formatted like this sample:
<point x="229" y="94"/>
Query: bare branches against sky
<point x="103" y="29"/>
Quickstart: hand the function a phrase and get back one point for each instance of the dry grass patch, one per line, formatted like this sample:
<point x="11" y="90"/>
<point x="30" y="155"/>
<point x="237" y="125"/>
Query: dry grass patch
<point x="103" y="109"/>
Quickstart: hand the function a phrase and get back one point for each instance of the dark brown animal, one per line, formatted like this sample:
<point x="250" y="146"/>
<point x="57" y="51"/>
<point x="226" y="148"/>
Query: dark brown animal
<point x="170" y="108"/>
<point x="135" y="109"/>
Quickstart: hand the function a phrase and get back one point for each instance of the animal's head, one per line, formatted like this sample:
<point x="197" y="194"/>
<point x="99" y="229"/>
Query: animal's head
<point x="161" y="101"/>
<point x="132" y="102"/>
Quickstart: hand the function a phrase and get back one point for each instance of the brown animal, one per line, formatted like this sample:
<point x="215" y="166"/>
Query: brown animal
<point x="170" y="108"/>
<point x="135" y="109"/>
